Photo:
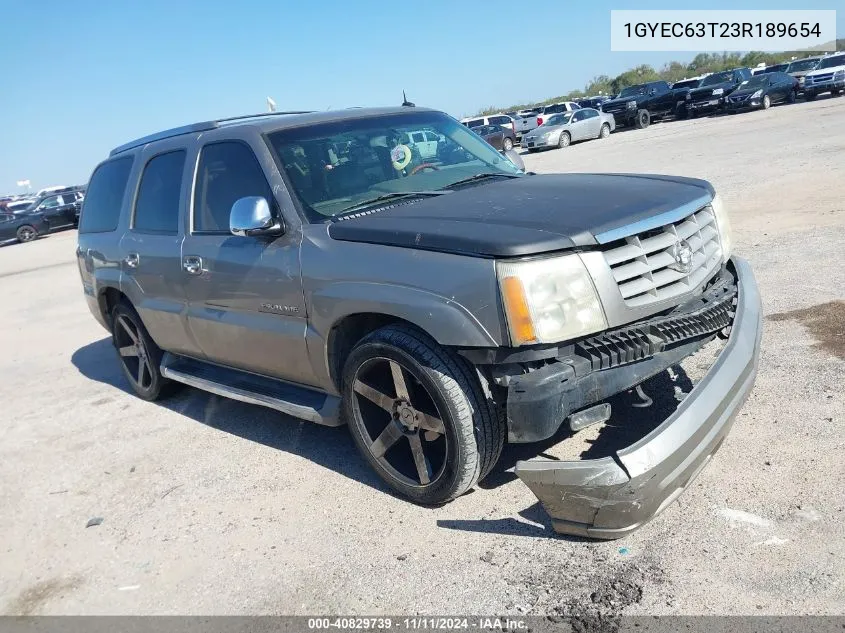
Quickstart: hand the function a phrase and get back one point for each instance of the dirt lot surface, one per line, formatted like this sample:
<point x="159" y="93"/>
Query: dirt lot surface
<point x="210" y="506"/>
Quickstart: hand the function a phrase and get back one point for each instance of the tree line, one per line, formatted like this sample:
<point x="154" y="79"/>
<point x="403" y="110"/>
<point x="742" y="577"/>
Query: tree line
<point x="671" y="72"/>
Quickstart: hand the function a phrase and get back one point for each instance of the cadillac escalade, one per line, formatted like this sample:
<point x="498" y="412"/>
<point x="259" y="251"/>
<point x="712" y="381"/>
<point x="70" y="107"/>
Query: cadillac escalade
<point x="439" y="305"/>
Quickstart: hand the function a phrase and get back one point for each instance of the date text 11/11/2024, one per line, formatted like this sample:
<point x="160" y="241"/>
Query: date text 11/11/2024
<point x="726" y="30"/>
<point x="417" y="623"/>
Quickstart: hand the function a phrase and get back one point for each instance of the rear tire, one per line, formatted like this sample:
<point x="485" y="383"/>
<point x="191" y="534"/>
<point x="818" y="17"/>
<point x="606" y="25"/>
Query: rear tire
<point x="643" y="119"/>
<point x="431" y="433"/>
<point x="26" y="233"/>
<point x="139" y="356"/>
<point x="564" y="140"/>
<point x="605" y="131"/>
<point x="507" y="144"/>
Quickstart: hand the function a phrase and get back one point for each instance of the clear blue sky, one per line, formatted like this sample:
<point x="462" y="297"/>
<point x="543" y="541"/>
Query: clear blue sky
<point x="82" y="76"/>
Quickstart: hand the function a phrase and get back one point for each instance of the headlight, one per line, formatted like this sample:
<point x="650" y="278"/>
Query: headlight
<point x="723" y="224"/>
<point x="632" y="104"/>
<point x="549" y="300"/>
<point x="757" y="94"/>
<point x="839" y="74"/>
<point x="718" y="91"/>
<point x="546" y="135"/>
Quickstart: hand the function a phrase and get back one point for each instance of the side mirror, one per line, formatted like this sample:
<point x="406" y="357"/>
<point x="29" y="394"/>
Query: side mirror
<point x="514" y="157"/>
<point x="251" y="217"/>
<point x="652" y="91"/>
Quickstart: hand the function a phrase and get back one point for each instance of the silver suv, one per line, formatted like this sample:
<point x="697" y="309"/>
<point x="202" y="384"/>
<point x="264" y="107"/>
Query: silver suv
<point x="440" y="305"/>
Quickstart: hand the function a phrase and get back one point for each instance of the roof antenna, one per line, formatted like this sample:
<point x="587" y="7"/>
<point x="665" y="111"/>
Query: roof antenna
<point x="405" y="101"/>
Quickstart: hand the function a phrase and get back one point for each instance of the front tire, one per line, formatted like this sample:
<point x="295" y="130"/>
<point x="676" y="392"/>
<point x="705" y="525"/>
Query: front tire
<point x="767" y="102"/>
<point x="420" y="415"/>
<point x="26" y="233"/>
<point x="792" y="97"/>
<point x="507" y="144"/>
<point x="139" y="356"/>
<point x="835" y="92"/>
<point x="643" y="119"/>
<point x="564" y="140"/>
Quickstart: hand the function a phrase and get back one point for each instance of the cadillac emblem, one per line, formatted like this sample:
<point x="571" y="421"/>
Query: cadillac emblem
<point x="681" y="252"/>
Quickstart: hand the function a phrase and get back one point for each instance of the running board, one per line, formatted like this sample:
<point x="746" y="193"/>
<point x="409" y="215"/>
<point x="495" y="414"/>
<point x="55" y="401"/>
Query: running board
<point x="295" y="400"/>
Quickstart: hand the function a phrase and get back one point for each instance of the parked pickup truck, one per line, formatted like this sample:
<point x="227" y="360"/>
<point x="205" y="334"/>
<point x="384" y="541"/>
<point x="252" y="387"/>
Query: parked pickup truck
<point x="711" y="94"/>
<point x="828" y="76"/>
<point x="317" y="264"/>
<point x="638" y="105"/>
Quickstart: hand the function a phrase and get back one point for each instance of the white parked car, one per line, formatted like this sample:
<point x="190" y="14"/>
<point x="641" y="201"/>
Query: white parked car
<point x="491" y="119"/>
<point x="426" y="142"/>
<point x="555" y="108"/>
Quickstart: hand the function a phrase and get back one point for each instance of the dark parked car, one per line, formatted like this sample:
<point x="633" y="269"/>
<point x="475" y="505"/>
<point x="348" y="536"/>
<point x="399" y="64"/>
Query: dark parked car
<point x="761" y="91"/>
<point x="681" y="90"/>
<point x="22" y="227"/>
<point x="638" y="105"/>
<point x="710" y="95"/>
<point x="777" y="68"/>
<point x="499" y="137"/>
<point x="61" y="210"/>
<point x="592" y="102"/>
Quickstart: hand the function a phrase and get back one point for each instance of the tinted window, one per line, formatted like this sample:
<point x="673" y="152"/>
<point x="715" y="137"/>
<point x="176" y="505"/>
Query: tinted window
<point x="49" y="203"/>
<point x="227" y="171"/>
<point x="157" y="206"/>
<point x="104" y="196"/>
<point x="474" y="123"/>
<point x="589" y="114"/>
<point x="499" y="120"/>
<point x="578" y="116"/>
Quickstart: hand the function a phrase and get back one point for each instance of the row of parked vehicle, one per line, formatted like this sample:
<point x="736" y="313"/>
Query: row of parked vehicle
<point x="559" y="124"/>
<point x="24" y="219"/>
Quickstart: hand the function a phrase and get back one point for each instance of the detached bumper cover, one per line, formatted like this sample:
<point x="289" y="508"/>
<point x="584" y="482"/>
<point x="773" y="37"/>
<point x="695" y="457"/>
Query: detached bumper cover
<point x="609" y="498"/>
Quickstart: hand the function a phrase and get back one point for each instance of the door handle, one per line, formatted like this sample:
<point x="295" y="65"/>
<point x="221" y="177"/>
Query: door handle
<point x="192" y="264"/>
<point x="132" y="260"/>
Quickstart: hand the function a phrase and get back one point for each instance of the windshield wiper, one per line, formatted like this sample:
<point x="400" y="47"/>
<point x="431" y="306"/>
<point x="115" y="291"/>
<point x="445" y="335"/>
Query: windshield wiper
<point x="482" y="176"/>
<point x="390" y="196"/>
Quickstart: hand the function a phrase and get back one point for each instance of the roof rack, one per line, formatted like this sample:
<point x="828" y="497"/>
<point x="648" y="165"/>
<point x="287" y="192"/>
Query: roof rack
<point x="194" y="128"/>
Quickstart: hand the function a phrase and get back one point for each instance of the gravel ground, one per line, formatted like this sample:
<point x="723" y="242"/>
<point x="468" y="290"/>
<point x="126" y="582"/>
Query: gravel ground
<point x="210" y="506"/>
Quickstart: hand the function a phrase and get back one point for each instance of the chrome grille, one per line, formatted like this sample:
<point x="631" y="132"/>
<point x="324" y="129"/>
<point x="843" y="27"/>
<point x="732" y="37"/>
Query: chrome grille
<point x="642" y="264"/>
<point x="817" y="79"/>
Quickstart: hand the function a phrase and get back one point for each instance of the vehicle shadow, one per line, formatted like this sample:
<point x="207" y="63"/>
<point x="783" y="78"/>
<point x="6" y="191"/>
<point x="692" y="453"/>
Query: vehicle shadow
<point x="329" y="447"/>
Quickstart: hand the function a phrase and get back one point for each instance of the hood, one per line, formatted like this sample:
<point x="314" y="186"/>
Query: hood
<point x="700" y="93"/>
<point x="525" y="216"/>
<point x="621" y="100"/>
<point x="824" y="71"/>
<point x="539" y="131"/>
<point x="748" y="91"/>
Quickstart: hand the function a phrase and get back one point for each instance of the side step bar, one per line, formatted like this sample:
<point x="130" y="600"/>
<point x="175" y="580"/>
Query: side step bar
<point x="295" y="400"/>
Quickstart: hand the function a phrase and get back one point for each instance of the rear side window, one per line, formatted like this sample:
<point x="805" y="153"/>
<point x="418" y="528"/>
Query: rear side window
<point x="104" y="196"/>
<point x="475" y="122"/>
<point x="157" y="205"/>
<point x="227" y="171"/>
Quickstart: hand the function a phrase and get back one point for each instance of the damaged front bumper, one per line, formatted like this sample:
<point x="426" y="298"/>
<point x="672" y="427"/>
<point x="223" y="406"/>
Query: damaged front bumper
<point x="610" y="497"/>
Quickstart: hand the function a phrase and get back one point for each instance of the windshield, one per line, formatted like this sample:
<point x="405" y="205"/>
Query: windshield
<point x="718" y="78"/>
<point x="830" y="62"/>
<point x="757" y="81"/>
<point x="559" y="119"/>
<point x="632" y="91"/>
<point x="333" y="167"/>
<point x="803" y="64"/>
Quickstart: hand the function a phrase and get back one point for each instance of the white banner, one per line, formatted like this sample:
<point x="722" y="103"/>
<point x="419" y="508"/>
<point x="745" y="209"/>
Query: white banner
<point x="722" y="30"/>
